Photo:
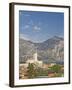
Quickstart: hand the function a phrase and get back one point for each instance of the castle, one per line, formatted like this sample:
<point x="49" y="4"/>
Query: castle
<point x="35" y="60"/>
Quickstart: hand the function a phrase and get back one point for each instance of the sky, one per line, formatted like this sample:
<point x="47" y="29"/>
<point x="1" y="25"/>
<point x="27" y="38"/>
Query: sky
<point x="39" y="26"/>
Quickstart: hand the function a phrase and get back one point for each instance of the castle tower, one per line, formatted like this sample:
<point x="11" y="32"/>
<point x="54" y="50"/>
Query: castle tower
<point x="35" y="55"/>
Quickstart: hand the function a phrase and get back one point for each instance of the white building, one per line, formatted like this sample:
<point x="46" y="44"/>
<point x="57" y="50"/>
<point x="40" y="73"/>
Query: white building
<point x="35" y="60"/>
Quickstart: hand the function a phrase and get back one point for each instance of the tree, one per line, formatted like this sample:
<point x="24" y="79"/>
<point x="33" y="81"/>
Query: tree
<point x="32" y="73"/>
<point x="56" y="68"/>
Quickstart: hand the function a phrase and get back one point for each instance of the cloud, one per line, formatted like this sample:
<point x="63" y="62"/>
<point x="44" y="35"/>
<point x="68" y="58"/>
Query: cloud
<point x="27" y="15"/>
<point x="24" y="36"/>
<point x="39" y="23"/>
<point x="26" y="26"/>
<point x="31" y="22"/>
<point x="36" y="28"/>
<point x="24" y="14"/>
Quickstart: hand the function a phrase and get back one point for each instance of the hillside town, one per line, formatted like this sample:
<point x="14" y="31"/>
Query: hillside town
<point x="34" y="68"/>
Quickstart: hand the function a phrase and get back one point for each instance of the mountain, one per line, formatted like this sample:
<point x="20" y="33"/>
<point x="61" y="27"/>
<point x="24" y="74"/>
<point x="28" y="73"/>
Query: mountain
<point x="50" y="43"/>
<point x="51" y="50"/>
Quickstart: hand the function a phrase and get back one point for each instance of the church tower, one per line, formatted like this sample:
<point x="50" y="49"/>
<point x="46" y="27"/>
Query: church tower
<point x="35" y="56"/>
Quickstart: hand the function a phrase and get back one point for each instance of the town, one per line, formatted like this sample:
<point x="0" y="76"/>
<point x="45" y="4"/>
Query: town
<point x="34" y="68"/>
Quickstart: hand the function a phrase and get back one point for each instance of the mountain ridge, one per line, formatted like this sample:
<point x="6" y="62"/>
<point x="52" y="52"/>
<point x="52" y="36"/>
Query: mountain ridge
<point x="50" y="50"/>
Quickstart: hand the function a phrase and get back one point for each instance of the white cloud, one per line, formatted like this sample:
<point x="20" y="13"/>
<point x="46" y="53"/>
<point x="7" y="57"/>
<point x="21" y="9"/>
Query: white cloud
<point x="39" y="23"/>
<point x="36" y="28"/>
<point x="26" y="26"/>
<point x="24" y="36"/>
<point x="31" y="22"/>
<point x="27" y="15"/>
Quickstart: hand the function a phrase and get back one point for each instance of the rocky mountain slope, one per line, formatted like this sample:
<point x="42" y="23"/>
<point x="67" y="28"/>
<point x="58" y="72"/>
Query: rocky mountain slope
<point x="51" y="50"/>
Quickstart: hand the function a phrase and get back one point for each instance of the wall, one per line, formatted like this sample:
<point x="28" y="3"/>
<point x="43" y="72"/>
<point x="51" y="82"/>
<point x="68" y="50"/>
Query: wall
<point x="4" y="44"/>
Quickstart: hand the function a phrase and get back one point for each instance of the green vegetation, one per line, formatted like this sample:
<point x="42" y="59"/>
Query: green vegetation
<point x="42" y="72"/>
<point x="31" y="71"/>
<point x="34" y="71"/>
<point x="56" y="68"/>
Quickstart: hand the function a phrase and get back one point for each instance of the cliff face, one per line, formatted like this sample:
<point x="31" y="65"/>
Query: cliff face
<point x="51" y="50"/>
